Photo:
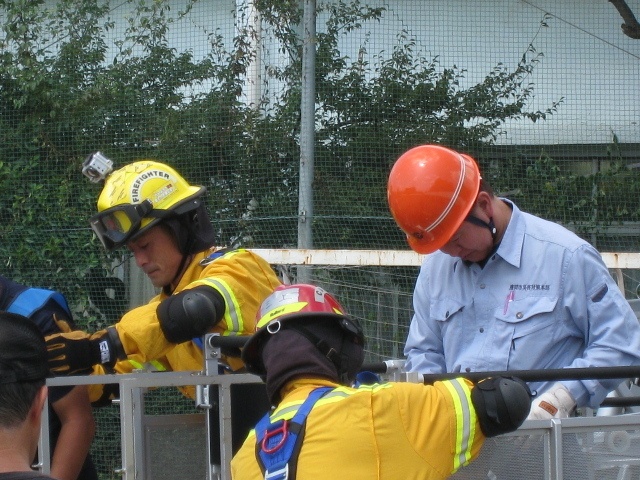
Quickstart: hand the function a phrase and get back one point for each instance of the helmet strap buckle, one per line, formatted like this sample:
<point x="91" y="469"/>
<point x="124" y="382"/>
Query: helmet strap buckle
<point x="274" y="327"/>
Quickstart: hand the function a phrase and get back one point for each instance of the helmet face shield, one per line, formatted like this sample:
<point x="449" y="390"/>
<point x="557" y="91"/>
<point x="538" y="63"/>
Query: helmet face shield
<point x="115" y="226"/>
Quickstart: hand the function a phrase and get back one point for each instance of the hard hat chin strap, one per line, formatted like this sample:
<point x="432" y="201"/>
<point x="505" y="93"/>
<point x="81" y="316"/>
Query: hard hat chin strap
<point x="481" y="223"/>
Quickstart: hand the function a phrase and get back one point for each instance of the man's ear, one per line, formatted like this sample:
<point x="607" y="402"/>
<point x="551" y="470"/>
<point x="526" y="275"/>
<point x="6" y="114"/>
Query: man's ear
<point x="484" y="202"/>
<point x="38" y="404"/>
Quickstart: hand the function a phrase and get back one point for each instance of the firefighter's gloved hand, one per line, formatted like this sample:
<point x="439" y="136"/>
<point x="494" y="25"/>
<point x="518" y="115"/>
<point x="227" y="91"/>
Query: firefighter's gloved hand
<point x="75" y="353"/>
<point x="62" y="323"/>
<point x="71" y="353"/>
<point x="556" y="402"/>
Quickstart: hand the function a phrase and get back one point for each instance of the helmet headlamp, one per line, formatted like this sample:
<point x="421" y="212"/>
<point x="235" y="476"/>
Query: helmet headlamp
<point x="96" y="167"/>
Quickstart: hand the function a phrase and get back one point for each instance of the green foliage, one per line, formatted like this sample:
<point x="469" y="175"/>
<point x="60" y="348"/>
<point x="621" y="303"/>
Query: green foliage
<point x="369" y="113"/>
<point x="60" y="99"/>
<point x="587" y="202"/>
<point x="66" y="91"/>
<point x="42" y="208"/>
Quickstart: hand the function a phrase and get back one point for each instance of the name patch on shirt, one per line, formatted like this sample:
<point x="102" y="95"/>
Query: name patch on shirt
<point x="531" y="286"/>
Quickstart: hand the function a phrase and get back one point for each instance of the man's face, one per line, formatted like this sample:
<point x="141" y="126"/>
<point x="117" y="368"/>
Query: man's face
<point x="471" y="242"/>
<point x="157" y="254"/>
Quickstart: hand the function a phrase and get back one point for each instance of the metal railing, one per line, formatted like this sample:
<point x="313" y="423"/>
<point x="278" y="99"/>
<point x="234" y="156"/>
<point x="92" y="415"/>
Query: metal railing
<point x="609" y="445"/>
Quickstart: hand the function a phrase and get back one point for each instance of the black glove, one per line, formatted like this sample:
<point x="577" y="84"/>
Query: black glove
<point x="75" y="353"/>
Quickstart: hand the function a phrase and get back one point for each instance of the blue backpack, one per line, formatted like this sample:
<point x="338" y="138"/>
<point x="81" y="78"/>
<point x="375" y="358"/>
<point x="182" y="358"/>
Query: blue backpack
<point x="37" y="304"/>
<point x="30" y="300"/>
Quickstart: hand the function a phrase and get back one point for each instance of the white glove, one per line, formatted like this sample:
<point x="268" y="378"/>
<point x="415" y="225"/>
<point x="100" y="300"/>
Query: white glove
<point x="556" y="402"/>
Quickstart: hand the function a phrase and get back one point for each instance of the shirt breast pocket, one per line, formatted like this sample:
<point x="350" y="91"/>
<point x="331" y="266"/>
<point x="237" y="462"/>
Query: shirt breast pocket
<point x="528" y="325"/>
<point x="447" y="313"/>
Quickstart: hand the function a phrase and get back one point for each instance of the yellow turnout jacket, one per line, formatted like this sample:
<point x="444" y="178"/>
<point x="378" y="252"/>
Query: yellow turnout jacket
<point x="386" y="431"/>
<point x="244" y="280"/>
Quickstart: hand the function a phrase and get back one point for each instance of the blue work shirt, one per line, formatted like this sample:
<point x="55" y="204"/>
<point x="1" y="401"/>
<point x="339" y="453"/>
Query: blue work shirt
<point x="544" y="299"/>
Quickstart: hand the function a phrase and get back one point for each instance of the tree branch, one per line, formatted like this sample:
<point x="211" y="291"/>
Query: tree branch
<point x="630" y="27"/>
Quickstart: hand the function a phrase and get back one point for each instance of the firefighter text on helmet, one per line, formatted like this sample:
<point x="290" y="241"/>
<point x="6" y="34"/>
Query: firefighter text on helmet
<point x="136" y="197"/>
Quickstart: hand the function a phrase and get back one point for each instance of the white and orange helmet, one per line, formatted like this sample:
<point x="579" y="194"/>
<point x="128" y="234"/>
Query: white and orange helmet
<point x="431" y="190"/>
<point x="291" y="305"/>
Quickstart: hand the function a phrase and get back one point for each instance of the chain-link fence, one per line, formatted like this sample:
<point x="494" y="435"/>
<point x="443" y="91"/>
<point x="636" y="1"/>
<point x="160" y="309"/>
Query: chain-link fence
<point x="295" y="150"/>
<point x="543" y="94"/>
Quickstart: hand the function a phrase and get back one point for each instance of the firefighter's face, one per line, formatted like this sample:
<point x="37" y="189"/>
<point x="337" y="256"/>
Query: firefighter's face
<point x="157" y="254"/>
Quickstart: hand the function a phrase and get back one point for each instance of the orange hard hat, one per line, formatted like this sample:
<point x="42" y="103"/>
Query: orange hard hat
<point x="431" y="191"/>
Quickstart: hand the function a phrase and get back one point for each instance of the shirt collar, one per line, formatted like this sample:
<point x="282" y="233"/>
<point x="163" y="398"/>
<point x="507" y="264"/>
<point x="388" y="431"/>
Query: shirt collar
<point x="513" y="239"/>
